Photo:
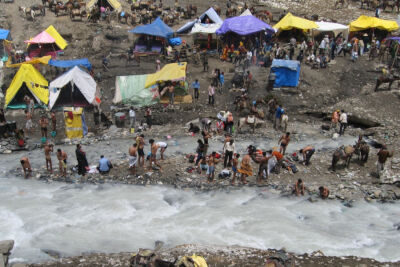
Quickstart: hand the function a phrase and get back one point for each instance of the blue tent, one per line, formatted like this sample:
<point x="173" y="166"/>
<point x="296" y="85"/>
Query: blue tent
<point x="287" y="72"/>
<point x="157" y="28"/>
<point x="5" y="34"/>
<point x="84" y="62"/>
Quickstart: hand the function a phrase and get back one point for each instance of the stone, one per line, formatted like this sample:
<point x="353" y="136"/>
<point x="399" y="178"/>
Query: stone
<point x="6" y="246"/>
<point x="377" y="193"/>
<point x="20" y="265"/>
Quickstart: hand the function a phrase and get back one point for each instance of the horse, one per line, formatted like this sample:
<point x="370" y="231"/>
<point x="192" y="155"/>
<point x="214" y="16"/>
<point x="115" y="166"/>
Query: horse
<point x="130" y="56"/>
<point x="252" y="121"/>
<point x="39" y="9"/>
<point x="284" y="122"/>
<point x="77" y="13"/>
<point x="362" y="150"/>
<point x="386" y="79"/>
<point x="60" y="7"/>
<point x="27" y="11"/>
<point x="344" y="154"/>
<point x="391" y="4"/>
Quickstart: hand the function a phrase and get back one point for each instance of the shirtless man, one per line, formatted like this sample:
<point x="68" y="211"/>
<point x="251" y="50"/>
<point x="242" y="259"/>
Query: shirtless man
<point x="299" y="188"/>
<point x="284" y="141"/>
<point x="29" y="124"/>
<point x="163" y="146"/>
<point x="323" y="192"/>
<point x="133" y="158"/>
<point x="62" y="162"/>
<point x="263" y="162"/>
<point x="43" y="122"/>
<point x="206" y="135"/>
<point x="26" y="166"/>
<point x="307" y="153"/>
<point x="140" y="146"/>
<point x="53" y="121"/>
<point x="48" y="148"/>
<point x="153" y="154"/>
<point x="212" y="160"/>
<point x="235" y="163"/>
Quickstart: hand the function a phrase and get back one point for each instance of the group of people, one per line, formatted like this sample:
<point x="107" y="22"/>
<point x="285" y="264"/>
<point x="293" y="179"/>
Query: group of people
<point x="339" y="117"/>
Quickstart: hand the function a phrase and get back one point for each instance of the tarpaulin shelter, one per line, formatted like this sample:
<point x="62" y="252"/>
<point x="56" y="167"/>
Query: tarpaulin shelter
<point x="27" y="81"/>
<point x="244" y="25"/>
<point x="247" y="12"/>
<point x="40" y="60"/>
<point x="114" y="4"/>
<point x="75" y="125"/>
<point x="287" y="72"/>
<point x="156" y="28"/>
<point x="142" y="90"/>
<point x="83" y="62"/>
<point x="74" y="88"/>
<point x="365" y="22"/>
<point x="210" y="14"/>
<point x="153" y="36"/>
<point x="336" y="28"/>
<point x="289" y="22"/>
<point x="5" y="36"/>
<point x="48" y="42"/>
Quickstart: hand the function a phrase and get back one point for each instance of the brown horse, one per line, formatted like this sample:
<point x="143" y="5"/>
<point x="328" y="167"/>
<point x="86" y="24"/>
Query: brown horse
<point x="27" y="11"/>
<point x="39" y="9"/>
<point x="362" y="150"/>
<point x="77" y="13"/>
<point x="386" y="79"/>
<point x="341" y="154"/>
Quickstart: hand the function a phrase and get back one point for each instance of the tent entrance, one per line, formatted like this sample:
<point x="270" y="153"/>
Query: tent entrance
<point x="71" y="98"/>
<point x="18" y="101"/>
<point x="105" y="4"/>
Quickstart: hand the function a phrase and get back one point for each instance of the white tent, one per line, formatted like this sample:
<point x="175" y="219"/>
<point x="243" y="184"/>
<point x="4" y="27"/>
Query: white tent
<point x="336" y="28"/>
<point x="247" y="12"/>
<point x="77" y="78"/>
<point x="210" y="13"/>
<point x="205" y="28"/>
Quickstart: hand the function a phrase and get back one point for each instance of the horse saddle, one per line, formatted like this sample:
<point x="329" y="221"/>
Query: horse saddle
<point x="250" y="119"/>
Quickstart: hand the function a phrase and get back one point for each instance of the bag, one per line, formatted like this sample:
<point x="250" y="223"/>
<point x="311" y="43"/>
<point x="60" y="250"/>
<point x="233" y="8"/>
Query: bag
<point x="191" y="159"/>
<point x="250" y="119"/>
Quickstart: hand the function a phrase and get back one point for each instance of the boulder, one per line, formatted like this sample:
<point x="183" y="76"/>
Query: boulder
<point x="6" y="246"/>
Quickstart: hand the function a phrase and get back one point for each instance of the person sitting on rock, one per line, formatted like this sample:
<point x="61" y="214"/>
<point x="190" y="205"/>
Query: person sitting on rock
<point x="323" y="192"/>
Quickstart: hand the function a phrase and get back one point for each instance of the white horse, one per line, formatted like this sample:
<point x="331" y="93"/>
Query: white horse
<point x="252" y="121"/>
<point x="27" y="11"/>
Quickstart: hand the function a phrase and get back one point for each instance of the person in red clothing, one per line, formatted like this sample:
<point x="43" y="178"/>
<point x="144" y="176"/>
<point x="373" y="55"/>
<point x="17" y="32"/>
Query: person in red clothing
<point x="279" y="159"/>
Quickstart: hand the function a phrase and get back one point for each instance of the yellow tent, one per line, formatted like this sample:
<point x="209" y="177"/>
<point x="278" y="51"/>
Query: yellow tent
<point x="114" y="3"/>
<point x="289" y="22"/>
<point x="33" y="80"/>
<point x="365" y="22"/>
<point x="170" y="72"/>
<point x="73" y="122"/>
<point x="61" y="43"/>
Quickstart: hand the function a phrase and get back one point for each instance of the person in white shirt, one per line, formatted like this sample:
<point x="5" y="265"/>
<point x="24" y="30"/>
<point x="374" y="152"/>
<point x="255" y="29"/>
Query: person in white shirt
<point x="132" y="117"/>
<point x="343" y="122"/>
<point x="229" y="150"/>
<point x="163" y="146"/>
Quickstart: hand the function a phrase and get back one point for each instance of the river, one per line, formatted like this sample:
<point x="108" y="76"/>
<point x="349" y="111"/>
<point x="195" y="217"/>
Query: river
<point x="73" y="219"/>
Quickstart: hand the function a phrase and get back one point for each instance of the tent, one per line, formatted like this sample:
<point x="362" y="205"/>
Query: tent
<point x="287" y="72"/>
<point x="336" y="28"/>
<point x="289" y="22"/>
<point x="247" y="12"/>
<point x="113" y="3"/>
<point x="156" y="28"/>
<point x="4" y="37"/>
<point x="142" y="90"/>
<point x="83" y="62"/>
<point x="210" y="14"/>
<point x="75" y="126"/>
<point x="205" y="28"/>
<point x="244" y="25"/>
<point x="73" y="88"/>
<point x="365" y="22"/>
<point x="27" y="81"/>
<point x="48" y="42"/>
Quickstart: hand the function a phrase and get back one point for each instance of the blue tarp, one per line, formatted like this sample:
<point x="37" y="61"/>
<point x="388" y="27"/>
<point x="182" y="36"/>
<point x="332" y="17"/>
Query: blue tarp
<point x="175" y="41"/>
<point x="210" y="13"/>
<point x="157" y="28"/>
<point x="287" y="72"/>
<point x="83" y="62"/>
<point x="5" y="34"/>
<point x="244" y="25"/>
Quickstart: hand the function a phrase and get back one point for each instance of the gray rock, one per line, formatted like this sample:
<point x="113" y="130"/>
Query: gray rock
<point x="20" y="265"/>
<point x="6" y="246"/>
<point x="3" y="260"/>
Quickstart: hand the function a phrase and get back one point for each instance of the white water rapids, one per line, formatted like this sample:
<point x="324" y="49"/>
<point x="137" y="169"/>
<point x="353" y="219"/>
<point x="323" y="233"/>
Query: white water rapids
<point x="73" y="219"/>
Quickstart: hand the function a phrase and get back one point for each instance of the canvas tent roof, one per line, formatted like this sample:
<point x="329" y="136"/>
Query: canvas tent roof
<point x="84" y="62"/>
<point x="332" y="27"/>
<point x="114" y="3"/>
<point x="33" y="80"/>
<point x="156" y="28"/>
<point x="289" y="22"/>
<point x="247" y="12"/>
<point x="210" y="13"/>
<point x="139" y="89"/>
<point x="60" y="41"/>
<point x="205" y="28"/>
<point x="244" y="25"/>
<point x="5" y="34"/>
<point x="82" y="80"/>
<point x="365" y="22"/>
